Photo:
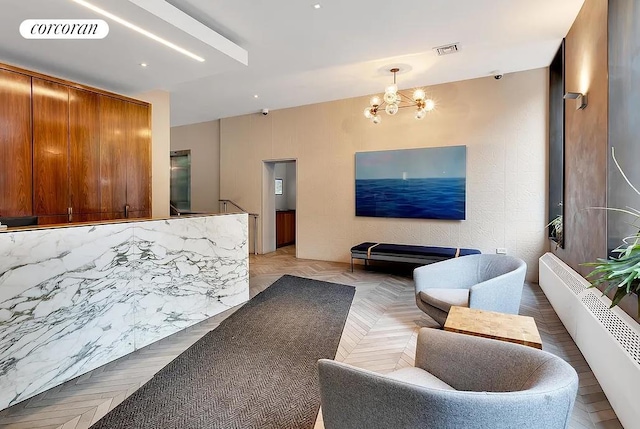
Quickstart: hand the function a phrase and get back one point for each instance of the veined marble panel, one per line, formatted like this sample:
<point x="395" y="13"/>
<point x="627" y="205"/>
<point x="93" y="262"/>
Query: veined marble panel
<point x="189" y="271"/>
<point x="73" y="299"/>
<point x="63" y="310"/>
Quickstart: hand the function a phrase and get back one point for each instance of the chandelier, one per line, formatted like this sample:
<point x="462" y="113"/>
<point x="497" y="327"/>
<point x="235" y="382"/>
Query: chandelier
<point x="393" y="100"/>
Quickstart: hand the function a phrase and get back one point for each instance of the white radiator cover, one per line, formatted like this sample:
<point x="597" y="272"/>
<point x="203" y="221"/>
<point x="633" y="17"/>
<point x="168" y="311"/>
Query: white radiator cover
<point x="608" y="338"/>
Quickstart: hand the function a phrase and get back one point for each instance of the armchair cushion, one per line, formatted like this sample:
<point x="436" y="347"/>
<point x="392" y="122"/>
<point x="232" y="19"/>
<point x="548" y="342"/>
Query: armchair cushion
<point x="419" y="377"/>
<point x="492" y="282"/>
<point x="445" y="298"/>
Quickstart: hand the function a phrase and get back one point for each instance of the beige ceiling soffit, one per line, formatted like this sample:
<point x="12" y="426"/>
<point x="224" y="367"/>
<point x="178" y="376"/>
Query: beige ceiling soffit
<point x="174" y="16"/>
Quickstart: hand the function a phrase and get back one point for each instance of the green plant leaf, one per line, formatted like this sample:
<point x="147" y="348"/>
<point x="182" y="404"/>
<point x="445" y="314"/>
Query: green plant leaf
<point x="621" y="271"/>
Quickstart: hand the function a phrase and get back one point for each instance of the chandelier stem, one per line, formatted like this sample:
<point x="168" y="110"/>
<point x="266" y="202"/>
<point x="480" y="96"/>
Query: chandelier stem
<point x="394" y="71"/>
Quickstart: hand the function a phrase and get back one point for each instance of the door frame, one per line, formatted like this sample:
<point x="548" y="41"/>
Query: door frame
<point x="268" y="205"/>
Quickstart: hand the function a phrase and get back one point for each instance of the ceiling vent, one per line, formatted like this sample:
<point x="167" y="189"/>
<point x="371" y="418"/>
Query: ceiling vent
<point x="447" y="49"/>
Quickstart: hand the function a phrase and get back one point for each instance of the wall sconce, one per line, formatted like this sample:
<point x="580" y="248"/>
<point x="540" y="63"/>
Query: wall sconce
<point x="581" y="99"/>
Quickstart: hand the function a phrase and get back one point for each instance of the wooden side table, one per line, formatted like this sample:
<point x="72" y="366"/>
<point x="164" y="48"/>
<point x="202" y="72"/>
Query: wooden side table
<point x="498" y="326"/>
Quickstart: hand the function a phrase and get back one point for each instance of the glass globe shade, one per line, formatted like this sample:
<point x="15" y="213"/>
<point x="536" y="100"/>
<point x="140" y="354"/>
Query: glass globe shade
<point x="391" y="109"/>
<point x="418" y="94"/>
<point x="420" y="113"/>
<point x="375" y="101"/>
<point x="376" y="119"/>
<point x="391" y="89"/>
<point x="390" y="97"/>
<point x="367" y="113"/>
<point x="429" y="105"/>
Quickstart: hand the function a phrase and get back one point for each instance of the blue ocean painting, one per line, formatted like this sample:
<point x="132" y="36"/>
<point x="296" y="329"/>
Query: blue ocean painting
<point x="427" y="183"/>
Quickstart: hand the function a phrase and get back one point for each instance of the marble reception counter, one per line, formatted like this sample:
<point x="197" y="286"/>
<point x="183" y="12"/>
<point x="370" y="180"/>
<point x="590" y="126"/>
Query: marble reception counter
<point x="73" y="299"/>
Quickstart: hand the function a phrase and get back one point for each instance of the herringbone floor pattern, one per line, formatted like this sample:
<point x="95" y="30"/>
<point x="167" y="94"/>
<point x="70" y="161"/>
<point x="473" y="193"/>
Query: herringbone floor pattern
<point x="380" y="335"/>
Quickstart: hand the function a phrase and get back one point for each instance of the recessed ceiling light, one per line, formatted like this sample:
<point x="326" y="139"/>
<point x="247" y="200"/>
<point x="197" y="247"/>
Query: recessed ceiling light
<point x="255" y="96"/>
<point x="138" y="29"/>
<point x="143" y="64"/>
<point x="317" y="6"/>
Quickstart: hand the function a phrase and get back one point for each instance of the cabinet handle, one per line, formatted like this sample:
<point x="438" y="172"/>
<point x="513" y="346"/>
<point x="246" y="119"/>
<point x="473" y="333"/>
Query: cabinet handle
<point x="126" y="211"/>
<point x="70" y="214"/>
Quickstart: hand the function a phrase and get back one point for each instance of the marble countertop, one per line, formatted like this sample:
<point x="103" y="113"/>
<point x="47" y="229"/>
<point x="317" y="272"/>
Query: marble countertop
<point x="106" y="222"/>
<point x="73" y="299"/>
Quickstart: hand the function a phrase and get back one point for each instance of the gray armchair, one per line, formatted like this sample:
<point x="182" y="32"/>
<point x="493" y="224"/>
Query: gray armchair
<point x="485" y="282"/>
<point x="460" y="381"/>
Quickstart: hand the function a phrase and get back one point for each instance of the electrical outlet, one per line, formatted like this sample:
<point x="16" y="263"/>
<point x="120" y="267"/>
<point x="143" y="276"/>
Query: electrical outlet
<point x="501" y="251"/>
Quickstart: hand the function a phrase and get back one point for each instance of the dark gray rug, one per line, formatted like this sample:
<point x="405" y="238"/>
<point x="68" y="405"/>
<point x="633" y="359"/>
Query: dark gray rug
<point x="258" y="369"/>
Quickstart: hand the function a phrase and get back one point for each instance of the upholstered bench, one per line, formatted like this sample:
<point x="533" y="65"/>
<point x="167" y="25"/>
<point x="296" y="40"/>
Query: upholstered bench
<point x="406" y="253"/>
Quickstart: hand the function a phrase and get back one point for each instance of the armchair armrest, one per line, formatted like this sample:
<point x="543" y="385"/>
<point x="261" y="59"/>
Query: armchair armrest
<point x="357" y="398"/>
<point x="502" y="293"/>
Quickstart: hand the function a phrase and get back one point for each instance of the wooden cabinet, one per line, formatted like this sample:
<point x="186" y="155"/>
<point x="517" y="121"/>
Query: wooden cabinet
<point x="125" y="152"/>
<point x="15" y="145"/>
<point x="84" y="155"/>
<point x="113" y="157"/>
<point x="50" y="148"/>
<point x="285" y="227"/>
<point x="70" y="153"/>
<point x="138" y="160"/>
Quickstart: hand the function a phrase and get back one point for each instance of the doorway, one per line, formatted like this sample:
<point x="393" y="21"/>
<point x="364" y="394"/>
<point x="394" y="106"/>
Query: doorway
<point x="180" y="180"/>
<point x="279" y="202"/>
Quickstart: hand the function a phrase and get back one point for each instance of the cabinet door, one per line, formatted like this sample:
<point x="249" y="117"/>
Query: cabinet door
<point x="50" y="148"/>
<point x="87" y="217"/>
<point x="15" y="145"/>
<point x="53" y="220"/>
<point x="144" y="214"/>
<point x="113" y="157"/>
<point x="280" y="233"/>
<point x="112" y="216"/>
<point x="290" y="227"/>
<point x="84" y="153"/>
<point x="138" y="158"/>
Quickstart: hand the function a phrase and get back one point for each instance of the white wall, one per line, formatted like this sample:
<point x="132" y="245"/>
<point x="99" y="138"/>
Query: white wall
<point x="160" y="148"/>
<point x="290" y="186"/>
<point x="503" y="123"/>
<point x="287" y="172"/>
<point x="203" y="140"/>
<point x="268" y="212"/>
<point x="280" y="172"/>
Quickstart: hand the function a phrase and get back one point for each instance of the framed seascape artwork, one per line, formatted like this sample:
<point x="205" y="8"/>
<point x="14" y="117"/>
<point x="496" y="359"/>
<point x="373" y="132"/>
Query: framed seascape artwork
<point x="427" y="183"/>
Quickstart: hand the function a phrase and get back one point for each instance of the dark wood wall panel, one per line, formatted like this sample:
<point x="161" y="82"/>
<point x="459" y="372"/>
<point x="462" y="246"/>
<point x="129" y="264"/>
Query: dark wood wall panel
<point x="15" y="145"/>
<point x="586" y="134"/>
<point x="138" y="158"/>
<point x="113" y="156"/>
<point x="50" y="148"/>
<point x="84" y="152"/>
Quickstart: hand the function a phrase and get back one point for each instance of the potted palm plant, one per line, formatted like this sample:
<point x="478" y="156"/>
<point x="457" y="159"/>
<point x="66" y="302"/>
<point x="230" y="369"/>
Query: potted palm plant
<point x="622" y="270"/>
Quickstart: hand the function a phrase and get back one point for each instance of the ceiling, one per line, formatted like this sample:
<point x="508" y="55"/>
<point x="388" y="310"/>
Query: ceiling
<point x="297" y="54"/>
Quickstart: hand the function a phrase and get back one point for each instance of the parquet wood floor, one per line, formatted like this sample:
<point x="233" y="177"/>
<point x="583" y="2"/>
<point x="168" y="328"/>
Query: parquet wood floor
<point x="380" y="335"/>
